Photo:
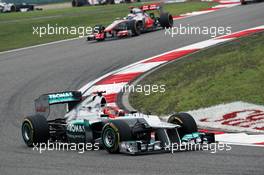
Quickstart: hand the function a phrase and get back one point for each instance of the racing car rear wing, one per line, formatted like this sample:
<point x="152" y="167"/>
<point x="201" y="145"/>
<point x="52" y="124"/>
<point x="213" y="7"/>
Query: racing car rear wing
<point x="43" y="103"/>
<point x="149" y="7"/>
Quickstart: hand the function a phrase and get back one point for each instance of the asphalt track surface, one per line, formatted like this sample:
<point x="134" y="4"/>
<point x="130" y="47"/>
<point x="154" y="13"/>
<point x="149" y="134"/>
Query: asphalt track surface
<point x="69" y="65"/>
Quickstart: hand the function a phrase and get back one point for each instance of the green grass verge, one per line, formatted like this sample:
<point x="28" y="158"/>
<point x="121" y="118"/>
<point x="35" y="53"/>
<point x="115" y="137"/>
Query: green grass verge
<point x="36" y="1"/>
<point x="16" y="28"/>
<point x="230" y="72"/>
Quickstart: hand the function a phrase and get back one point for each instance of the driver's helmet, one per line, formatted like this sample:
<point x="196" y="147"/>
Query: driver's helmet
<point x="130" y="16"/>
<point x="136" y="11"/>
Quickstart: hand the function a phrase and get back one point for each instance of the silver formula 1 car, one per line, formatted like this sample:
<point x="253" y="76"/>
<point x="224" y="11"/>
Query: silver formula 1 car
<point x="11" y="7"/>
<point x="7" y="7"/>
<point x="136" y="22"/>
<point x="91" y="120"/>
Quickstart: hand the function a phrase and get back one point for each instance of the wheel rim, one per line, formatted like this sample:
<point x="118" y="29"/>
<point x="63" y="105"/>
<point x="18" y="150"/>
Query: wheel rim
<point x="109" y="137"/>
<point x="27" y="132"/>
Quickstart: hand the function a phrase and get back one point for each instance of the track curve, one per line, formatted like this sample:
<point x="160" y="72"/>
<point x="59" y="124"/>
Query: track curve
<point x="69" y="65"/>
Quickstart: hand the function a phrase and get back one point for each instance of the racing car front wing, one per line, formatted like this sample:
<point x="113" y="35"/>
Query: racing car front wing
<point x="188" y="142"/>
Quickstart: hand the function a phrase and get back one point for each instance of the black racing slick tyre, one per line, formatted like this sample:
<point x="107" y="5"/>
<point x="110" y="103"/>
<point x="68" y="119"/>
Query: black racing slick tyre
<point x="243" y="2"/>
<point x="110" y="1"/>
<point x="13" y="8"/>
<point x="135" y="27"/>
<point x="35" y="130"/>
<point x="79" y="3"/>
<point x="186" y="121"/>
<point x="166" y="20"/>
<point x="113" y="133"/>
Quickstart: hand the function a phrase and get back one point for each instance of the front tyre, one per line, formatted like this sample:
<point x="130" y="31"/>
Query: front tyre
<point x="166" y="20"/>
<point x="35" y="130"/>
<point x="113" y="133"/>
<point x="135" y="27"/>
<point x="186" y="121"/>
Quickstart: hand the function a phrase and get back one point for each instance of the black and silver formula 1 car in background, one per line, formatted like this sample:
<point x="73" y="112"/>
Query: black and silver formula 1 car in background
<point x="11" y="7"/>
<point x="80" y="3"/>
<point x="244" y="2"/>
<point x="91" y="120"/>
<point x="136" y="22"/>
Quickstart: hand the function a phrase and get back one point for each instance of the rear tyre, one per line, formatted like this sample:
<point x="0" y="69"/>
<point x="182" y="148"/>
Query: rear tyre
<point x="243" y="2"/>
<point x="186" y="121"/>
<point x="166" y="20"/>
<point x="30" y="7"/>
<point x="113" y="133"/>
<point x="79" y="3"/>
<point x="13" y="8"/>
<point x="110" y="1"/>
<point x="35" y="130"/>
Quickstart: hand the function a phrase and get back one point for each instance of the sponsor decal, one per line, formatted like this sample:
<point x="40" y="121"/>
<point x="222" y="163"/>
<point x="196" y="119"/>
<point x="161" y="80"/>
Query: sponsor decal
<point x="75" y="128"/>
<point x="150" y="7"/>
<point x="61" y="97"/>
<point x="188" y="137"/>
